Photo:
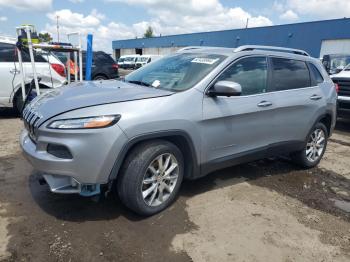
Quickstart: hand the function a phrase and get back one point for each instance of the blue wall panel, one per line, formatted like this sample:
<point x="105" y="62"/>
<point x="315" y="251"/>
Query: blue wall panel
<point x="307" y="36"/>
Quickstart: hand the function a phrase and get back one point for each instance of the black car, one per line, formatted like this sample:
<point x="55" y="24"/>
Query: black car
<point x="103" y="65"/>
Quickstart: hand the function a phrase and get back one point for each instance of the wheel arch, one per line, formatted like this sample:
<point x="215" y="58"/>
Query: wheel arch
<point x="327" y="120"/>
<point x="99" y="74"/>
<point x="180" y="138"/>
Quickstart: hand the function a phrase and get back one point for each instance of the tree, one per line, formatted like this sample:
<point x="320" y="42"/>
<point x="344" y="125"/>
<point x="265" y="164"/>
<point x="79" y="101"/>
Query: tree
<point x="45" y="37"/>
<point x="149" y="32"/>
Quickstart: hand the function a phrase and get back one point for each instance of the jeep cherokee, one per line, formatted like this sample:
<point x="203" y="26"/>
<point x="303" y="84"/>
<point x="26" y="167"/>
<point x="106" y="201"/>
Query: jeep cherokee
<point x="181" y="117"/>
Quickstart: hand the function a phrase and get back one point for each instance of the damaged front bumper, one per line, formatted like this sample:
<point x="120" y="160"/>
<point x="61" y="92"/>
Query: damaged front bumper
<point x="68" y="185"/>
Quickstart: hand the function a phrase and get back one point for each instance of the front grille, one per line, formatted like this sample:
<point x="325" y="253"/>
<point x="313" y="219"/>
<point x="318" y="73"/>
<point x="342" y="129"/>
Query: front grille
<point x="31" y="121"/>
<point x="344" y="86"/>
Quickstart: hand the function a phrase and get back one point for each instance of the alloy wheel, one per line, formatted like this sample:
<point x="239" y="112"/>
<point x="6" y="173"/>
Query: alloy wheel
<point x="316" y="145"/>
<point x="160" y="179"/>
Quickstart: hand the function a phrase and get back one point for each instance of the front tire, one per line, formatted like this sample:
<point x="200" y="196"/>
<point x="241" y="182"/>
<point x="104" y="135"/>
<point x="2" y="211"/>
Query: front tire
<point x="151" y="176"/>
<point x="18" y="103"/>
<point x="314" y="148"/>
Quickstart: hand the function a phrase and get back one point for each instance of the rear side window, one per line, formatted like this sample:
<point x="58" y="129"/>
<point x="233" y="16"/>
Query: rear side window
<point x="316" y="75"/>
<point x="289" y="74"/>
<point x="105" y="58"/>
<point x="7" y="53"/>
<point x="250" y="73"/>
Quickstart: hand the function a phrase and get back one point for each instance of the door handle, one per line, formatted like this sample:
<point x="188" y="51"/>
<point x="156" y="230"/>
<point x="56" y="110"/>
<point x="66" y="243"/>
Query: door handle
<point x="14" y="71"/>
<point x="265" y="104"/>
<point x="315" y="97"/>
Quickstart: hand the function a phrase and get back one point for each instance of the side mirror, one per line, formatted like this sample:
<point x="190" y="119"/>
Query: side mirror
<point x="225" y="88"/>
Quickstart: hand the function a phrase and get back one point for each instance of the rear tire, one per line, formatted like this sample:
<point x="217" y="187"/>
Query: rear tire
<point x="100" y="77"/>
<point x="314" y="148"/>
<point x="151" y="177"/>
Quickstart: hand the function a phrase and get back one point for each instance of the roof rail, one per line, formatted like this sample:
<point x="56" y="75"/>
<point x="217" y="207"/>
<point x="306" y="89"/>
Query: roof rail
<point x="271" y="48"/>
<point x="189" y="48"/>
<point x="194" y="47"/>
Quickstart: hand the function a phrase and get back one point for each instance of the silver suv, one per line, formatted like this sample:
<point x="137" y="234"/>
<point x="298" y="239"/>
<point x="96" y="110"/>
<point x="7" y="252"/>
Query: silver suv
<point x="181" y="117"/>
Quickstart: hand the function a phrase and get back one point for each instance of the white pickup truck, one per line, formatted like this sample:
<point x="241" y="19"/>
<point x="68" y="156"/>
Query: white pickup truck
<point x="342" y="79"/>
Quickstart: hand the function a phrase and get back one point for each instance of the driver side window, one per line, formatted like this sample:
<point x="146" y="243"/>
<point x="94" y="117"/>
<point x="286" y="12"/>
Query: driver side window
<point x="250" y="73"/>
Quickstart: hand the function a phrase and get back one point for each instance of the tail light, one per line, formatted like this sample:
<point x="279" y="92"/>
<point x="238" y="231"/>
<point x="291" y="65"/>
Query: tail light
<point x="115" y="66"/>
<point x="336" y="86"/>
<point x="59" y="69"/>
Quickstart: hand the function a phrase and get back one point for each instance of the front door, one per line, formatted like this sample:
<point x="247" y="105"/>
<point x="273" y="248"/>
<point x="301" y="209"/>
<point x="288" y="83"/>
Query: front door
<point x="234" y="127"/>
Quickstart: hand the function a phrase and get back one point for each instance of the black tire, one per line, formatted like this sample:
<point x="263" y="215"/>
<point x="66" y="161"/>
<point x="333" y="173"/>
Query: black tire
<point x="100" y="77"/>
<point x="18" y="103"/>
<point x="131" y="177"/>
<point x="301" y="158"/>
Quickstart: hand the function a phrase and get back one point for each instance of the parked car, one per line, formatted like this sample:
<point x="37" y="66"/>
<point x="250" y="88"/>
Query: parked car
<point x="342" y="80"/>
<point x="183" y="116"/>
<point x="52" y="73"/>
<point x="103" y="65"/>
<point x="335" y="63"/>
<point x="129" y="61"/>
<point x="120" y="62"/>
<point x="146" y="59"/>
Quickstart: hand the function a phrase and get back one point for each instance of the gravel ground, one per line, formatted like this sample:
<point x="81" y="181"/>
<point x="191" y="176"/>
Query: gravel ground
<point x="267" y="210"/>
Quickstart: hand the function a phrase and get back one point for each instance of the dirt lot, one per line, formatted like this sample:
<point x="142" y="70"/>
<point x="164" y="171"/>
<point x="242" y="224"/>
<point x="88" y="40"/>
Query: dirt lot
<point x="263" y="211"/>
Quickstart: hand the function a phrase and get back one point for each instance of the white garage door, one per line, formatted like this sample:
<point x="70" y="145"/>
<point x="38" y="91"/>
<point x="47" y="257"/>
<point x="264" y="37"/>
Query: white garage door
<point x="340" y="46"/>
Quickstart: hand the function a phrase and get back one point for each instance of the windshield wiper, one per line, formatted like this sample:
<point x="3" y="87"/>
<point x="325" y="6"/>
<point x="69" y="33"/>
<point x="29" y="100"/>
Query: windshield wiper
<point x="138" y="83"/>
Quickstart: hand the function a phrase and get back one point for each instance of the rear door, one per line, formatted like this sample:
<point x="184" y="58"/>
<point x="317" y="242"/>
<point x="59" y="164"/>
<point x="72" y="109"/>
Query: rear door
<point x="298" y="99"/>
<point x="9" y="71"/>
<point x="241" y="125"/>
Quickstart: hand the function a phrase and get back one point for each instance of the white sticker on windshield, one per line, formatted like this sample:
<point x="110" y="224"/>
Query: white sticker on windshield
<point x="156" y="83"/>
<point x="208" y="61"/>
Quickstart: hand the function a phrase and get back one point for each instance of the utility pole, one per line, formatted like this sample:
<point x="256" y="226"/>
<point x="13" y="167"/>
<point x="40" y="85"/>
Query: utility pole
<point x="58" y="29"/>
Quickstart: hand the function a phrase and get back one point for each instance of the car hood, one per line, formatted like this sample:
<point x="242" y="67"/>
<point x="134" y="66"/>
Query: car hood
<point x="342" y="74"/>
<point x="85" y="94"/>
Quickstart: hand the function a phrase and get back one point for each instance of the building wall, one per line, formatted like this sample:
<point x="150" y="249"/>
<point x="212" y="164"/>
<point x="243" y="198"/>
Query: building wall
<point x="159" y="50"/>
<point x="307" y="36"/>
<point x="127" y="51"/>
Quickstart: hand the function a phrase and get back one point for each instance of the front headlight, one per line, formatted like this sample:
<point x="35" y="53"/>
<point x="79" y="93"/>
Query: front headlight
<point x="85" y="123"/>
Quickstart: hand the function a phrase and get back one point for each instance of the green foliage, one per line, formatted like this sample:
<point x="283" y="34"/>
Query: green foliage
<point x="45" y="37"/>
<point x="149" y="32"/>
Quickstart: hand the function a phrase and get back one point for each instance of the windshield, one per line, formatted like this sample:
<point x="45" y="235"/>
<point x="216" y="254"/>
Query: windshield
<point x="339" y="62"/>
<point x="129" y="59"/>
<point x="121" y="60"/>
<point x="142" y="59"/>
<point x="176" y="72"/>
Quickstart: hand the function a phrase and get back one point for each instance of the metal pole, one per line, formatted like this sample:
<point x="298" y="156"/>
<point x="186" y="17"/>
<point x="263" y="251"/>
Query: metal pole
<point x="81" y="65"/>
<point x="68" y="67"/>
<point x="30" y="46"/>
<point x="88" y="58"/>
<point x="58" y="30"/>
<point x="75" y="66"/>
<point x="20" y="61"/>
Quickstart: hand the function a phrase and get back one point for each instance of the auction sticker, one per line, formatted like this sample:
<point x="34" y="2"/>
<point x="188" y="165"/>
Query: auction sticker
<point x="208" y="61"/>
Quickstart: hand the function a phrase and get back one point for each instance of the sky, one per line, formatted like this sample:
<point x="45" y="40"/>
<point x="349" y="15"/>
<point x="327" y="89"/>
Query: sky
<point x="111" y="20"/>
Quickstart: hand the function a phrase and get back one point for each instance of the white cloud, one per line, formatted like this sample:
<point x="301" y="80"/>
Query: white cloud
<point x="168" y="17"/>
<point x="76" y="1"/>
<point x="67" y="18"/>
<point x="278" y="6"/>
<point x="317" y="9"/>
<point x="185" y="16"/>
<point x="3" y="18"/>
<point x="289" y="15"/>
<point x="38" y="5"/>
